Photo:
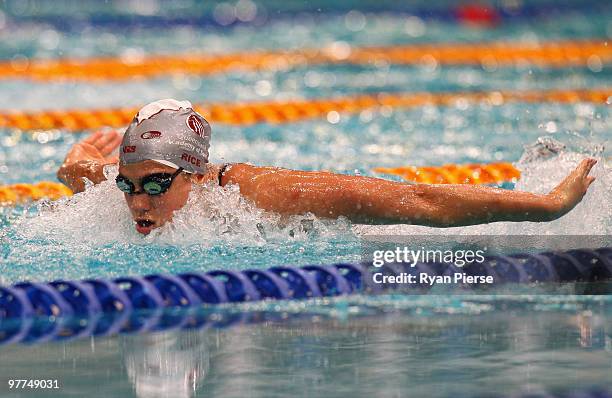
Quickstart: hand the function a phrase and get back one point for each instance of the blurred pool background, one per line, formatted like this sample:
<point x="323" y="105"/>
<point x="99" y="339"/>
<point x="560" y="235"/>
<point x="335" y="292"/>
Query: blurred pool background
<point x="432" y="346"/>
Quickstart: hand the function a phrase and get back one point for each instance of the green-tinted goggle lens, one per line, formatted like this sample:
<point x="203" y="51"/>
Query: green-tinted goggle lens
<point x="154" y="184"/>
<point x="156" y="187"/>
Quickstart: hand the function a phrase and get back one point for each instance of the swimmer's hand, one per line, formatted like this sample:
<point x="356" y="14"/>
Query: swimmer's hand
<point x="87" y="158"/>
<point x="571" y="190"/>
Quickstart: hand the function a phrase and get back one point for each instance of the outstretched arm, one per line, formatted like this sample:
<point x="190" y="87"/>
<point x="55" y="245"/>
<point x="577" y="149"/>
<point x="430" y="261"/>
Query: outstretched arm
<point x="378" y="201"/>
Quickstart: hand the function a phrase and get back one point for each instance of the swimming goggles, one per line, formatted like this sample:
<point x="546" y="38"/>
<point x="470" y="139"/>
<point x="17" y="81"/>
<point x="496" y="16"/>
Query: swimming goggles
<point x="153" y="184"/>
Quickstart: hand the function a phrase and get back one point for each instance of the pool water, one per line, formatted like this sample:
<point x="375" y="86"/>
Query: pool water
<point x="364" y="346"/>
<point x="430" y="346"/>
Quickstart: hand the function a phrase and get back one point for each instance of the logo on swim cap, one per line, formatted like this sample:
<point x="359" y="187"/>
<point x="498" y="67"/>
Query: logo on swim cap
<point x="129" y="149"/>
<point x="147" y="135"/>
<point x="195" y="125"/>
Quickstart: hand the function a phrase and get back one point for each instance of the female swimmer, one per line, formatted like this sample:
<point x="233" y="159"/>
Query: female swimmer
<point x="165" y="150"/>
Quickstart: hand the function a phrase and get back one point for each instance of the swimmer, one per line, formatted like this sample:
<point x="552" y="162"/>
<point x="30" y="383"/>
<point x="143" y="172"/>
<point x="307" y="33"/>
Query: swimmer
<point x="165" y="150"/>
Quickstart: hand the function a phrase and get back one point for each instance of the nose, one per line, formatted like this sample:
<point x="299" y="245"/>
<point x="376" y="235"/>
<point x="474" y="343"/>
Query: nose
<point x="139" y="203"/>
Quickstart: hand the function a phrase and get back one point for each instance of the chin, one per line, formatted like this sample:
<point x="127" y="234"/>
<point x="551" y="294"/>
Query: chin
<point x="143" y="230"/>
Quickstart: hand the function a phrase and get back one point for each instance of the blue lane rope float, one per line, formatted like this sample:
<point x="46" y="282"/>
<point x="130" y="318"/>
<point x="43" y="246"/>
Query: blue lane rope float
<point x="594" y="392"/>
<point x="35" y="312"/>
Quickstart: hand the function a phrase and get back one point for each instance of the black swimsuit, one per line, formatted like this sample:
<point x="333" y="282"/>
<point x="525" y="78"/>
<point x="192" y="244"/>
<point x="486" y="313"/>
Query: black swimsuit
<point x="222" y="170"/>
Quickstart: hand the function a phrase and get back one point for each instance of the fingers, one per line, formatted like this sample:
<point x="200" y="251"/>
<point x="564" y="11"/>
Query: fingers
<point x="586" y="165"/>
<point x="590" y="181"/>
<point x="111" y="145"/>
<point x="105" y="139"/>
<point x="582" y="171"/>
<point x="93" y="137"/>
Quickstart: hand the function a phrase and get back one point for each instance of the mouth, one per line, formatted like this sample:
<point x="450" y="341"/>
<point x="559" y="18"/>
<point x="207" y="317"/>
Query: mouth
<point x="144" y="226"/>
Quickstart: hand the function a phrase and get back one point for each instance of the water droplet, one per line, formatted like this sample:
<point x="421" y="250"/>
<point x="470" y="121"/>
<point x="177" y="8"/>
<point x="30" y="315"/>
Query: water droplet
<point x="594" y="63"/>
<point x="414" y="26"/>
<point x="354" y="20"/>
<point x="333" y="117"/>
<point x="246" y="10"/>
<point x="263" y="88"/>
<point x="224" y="14"/>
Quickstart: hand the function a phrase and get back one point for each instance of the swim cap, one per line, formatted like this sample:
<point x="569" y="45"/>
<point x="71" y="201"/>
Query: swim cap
<point x="169" y="132"/>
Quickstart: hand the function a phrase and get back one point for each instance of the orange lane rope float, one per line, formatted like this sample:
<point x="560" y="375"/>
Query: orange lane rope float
<point x="488" y="55"/>
<point x="21" y="193"/>
<point x="446" y="174"/>
<point x="276" y="112"/>
<point x="492" y="173"/>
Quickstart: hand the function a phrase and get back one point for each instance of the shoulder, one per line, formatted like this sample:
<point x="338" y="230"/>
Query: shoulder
<point x="244" y="173"/>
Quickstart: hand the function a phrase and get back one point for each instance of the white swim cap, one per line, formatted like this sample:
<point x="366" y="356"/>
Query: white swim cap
<point x="169" y="132"/>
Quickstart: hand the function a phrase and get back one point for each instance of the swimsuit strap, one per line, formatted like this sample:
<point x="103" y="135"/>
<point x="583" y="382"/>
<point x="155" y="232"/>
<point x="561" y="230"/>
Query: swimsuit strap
<point x="222" y="170"/>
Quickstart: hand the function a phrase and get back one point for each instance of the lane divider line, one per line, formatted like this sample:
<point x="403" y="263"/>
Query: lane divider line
<point x="555" y="54"/>
<point x="20" y="193"/>
<point x="474" y="173"/>
<point x="278" y="112"/>
<point x="98" y="307"/>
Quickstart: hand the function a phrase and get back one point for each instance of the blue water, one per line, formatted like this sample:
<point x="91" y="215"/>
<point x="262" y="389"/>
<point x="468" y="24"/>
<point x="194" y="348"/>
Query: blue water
<point x="363" y="346"/>
<point x="432" y="346"/>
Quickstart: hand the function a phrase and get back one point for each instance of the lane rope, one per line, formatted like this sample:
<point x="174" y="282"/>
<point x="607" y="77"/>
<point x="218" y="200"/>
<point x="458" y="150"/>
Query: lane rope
<point x="94" y="307"/>
<point x="278" y="112"/>
<point x="20" y="193"/>
<point x="474" y="173"/>
<point x="580" y="53"/>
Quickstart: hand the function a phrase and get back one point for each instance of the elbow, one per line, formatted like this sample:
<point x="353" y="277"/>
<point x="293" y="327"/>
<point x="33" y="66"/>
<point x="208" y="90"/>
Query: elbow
<point x="427" y="209"/>
<point x="63" y="175"/>
<point x="69" y="174"/>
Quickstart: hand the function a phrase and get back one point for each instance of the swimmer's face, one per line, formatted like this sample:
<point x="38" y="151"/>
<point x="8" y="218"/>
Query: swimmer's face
<point x="153" y="211"/>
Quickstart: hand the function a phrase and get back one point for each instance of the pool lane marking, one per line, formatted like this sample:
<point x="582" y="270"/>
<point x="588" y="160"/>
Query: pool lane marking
<point x="483" y="173"/>
<point x="23" y="192"/>
<point x="473" y="173"/>
<point x="489" y="55"/>
<point x="279" y="112"/>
